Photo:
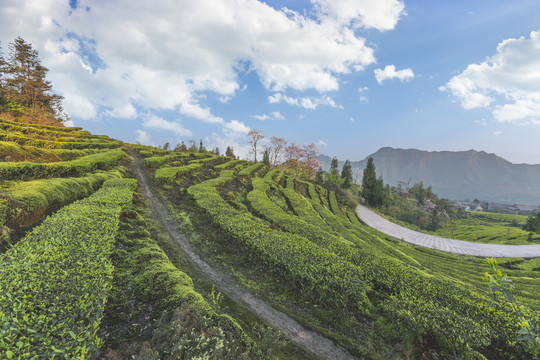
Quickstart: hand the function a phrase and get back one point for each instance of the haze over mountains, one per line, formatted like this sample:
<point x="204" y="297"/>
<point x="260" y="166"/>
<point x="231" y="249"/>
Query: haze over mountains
<point x="457" y="175"/>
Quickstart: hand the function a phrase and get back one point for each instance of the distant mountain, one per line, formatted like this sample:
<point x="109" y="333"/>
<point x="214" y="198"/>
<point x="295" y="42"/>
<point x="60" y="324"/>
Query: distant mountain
<point x="457" y="175"/>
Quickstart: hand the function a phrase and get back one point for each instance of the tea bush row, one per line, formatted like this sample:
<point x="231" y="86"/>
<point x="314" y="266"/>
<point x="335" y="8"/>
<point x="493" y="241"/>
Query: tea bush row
<point x="54" y="283"/>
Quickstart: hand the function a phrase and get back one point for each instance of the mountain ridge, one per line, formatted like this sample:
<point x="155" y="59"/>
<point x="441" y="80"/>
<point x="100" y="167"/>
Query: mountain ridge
<point x="457" y="175"/>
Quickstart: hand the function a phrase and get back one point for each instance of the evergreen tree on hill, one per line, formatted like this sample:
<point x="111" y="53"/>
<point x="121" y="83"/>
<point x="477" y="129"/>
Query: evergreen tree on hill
<point x="23" y="86"/>
<point x="229" y="152"/>
<point x="346" y="175"/>
<point x="372" y="188"/>
<point x="266" y="158"/>
<point x="334" y="167"/>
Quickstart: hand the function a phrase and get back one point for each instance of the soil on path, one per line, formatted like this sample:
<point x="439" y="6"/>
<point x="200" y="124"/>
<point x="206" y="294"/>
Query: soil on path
<point x="379" y="223"/>
<point x="313" y="342"/>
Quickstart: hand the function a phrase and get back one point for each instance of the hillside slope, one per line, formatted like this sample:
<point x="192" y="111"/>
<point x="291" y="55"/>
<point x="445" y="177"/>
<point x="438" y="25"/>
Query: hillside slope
<point x="458" y="175"/>
<point x="295" y="244"/>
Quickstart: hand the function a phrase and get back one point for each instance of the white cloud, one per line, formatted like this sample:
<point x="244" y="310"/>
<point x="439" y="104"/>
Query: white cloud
<point x="126" y="55"/>
<point x="508" y="82"/>
<point x="237" y="127"/>
<point x="363" y="98"/>
<point x="481" y="122"/>
<point x="153" y="121"/>
<point x="305" y="102"/>
<point x="202" y="113"/>
<point x="389" y="72"/>
<point x="497" y="132"/>
<point x="275" y="115"/>
<point x="143" y="137"/>
<point x="351" y="119"/>
<point x="322" y="143"/>
<point x="381" y="14"/>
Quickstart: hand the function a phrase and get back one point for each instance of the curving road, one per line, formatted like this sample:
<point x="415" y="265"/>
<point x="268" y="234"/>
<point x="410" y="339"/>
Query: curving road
<point x="379" y="223"/>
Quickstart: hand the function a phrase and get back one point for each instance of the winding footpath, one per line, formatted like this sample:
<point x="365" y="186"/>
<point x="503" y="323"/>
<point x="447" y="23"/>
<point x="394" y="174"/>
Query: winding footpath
<point x="379" y="223"/>
<point x="313" y="342"/>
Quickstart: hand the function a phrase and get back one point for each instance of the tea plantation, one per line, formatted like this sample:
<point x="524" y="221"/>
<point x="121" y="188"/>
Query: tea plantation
<point x="85" y="272"/>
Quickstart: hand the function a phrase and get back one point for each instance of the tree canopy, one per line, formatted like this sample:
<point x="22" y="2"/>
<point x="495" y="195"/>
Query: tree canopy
<point x="25" y="93"/>
<point x="372" y="187"/>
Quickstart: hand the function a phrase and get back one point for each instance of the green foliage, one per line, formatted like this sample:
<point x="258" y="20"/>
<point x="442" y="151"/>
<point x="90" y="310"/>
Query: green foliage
<point x="501" y="292"/>
<point x="532" y="224"/>
<point x="251" y="169"/>
<point x="372" y="187"/>
<point x="24" y="84"/>
<point x="10" y="151"/>
<point x="34" y="199"/>
<point x="54" y="283"/>
<point x="158" y="161"/>
<point x="229" y="152"/>
<point x="346" y="175"/>
<point x="51" y="144"/>
<point x="324" y="273"/>
<point x="303" y="235"/>
<point x="229" y="165"/>
<point x="266" y="158"/>
<point x="166" y="176"/>
<point x="74" y="168"/>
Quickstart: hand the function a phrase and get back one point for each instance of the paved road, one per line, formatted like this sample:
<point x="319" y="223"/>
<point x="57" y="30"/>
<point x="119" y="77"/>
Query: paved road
<point x="377" y="222"/>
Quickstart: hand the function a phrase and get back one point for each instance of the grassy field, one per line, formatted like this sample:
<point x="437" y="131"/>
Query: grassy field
<point x="490" y="228"/>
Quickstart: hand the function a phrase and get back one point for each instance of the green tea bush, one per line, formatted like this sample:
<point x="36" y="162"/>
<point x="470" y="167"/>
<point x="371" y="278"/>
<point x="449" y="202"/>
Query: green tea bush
<point x="166" y="176"/>
<point x="74" y="168"/>
<point x="54" y="282"/>
<point x="37" y="198"/>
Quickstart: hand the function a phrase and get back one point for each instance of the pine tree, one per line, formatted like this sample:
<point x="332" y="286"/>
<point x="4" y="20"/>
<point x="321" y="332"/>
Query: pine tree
<point x="23" y="80"/>
<point x="334" y="167"/>
<point x="346" y="175"/>
<point x="229" y="152"/>
<point x="372" y="188"/>
<point x="201" y="147"/>
<point x="3" y="76"/>
<point x="266" y="158"/>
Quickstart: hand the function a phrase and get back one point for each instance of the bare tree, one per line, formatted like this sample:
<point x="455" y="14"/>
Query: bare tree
<point x="254" y="137"/>
<point x="310" y="154"/>
<point x="277" y="149"/>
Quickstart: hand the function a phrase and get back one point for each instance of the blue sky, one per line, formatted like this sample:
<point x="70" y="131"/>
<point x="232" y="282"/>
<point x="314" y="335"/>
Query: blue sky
<point x="349" y="75"/>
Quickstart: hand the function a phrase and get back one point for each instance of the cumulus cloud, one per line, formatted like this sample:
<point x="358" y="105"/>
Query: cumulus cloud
<point x="507" y="82"/>
<point x="311" y="103"/>
<point x="236" y="126"/>
<point x="125" y="56"/>
<point x="143" y="137"/>
<point x="389" y="72"/>
<point x="154" y="121"/>
<point x="322" y="143"/>
<point x="381" y="14"/>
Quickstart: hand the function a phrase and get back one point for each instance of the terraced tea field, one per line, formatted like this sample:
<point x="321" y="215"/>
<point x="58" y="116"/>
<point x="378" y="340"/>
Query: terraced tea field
<point x="86" y="272"/>
<point x="363" y="290"/>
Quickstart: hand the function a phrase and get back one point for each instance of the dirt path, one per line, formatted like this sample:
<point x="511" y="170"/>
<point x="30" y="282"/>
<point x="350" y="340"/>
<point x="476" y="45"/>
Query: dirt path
<point x="377" y="222"/>
<point x="315" y="343"/>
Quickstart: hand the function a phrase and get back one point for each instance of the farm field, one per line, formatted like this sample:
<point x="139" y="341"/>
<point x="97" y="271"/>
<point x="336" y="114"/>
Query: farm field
<point x="484" y="227"/>
<point x="86" y="273"/>
<point x="491" y="228"/>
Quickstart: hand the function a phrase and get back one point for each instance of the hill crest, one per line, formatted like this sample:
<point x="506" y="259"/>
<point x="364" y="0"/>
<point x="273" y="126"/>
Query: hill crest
<point x="457" y="175"/>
